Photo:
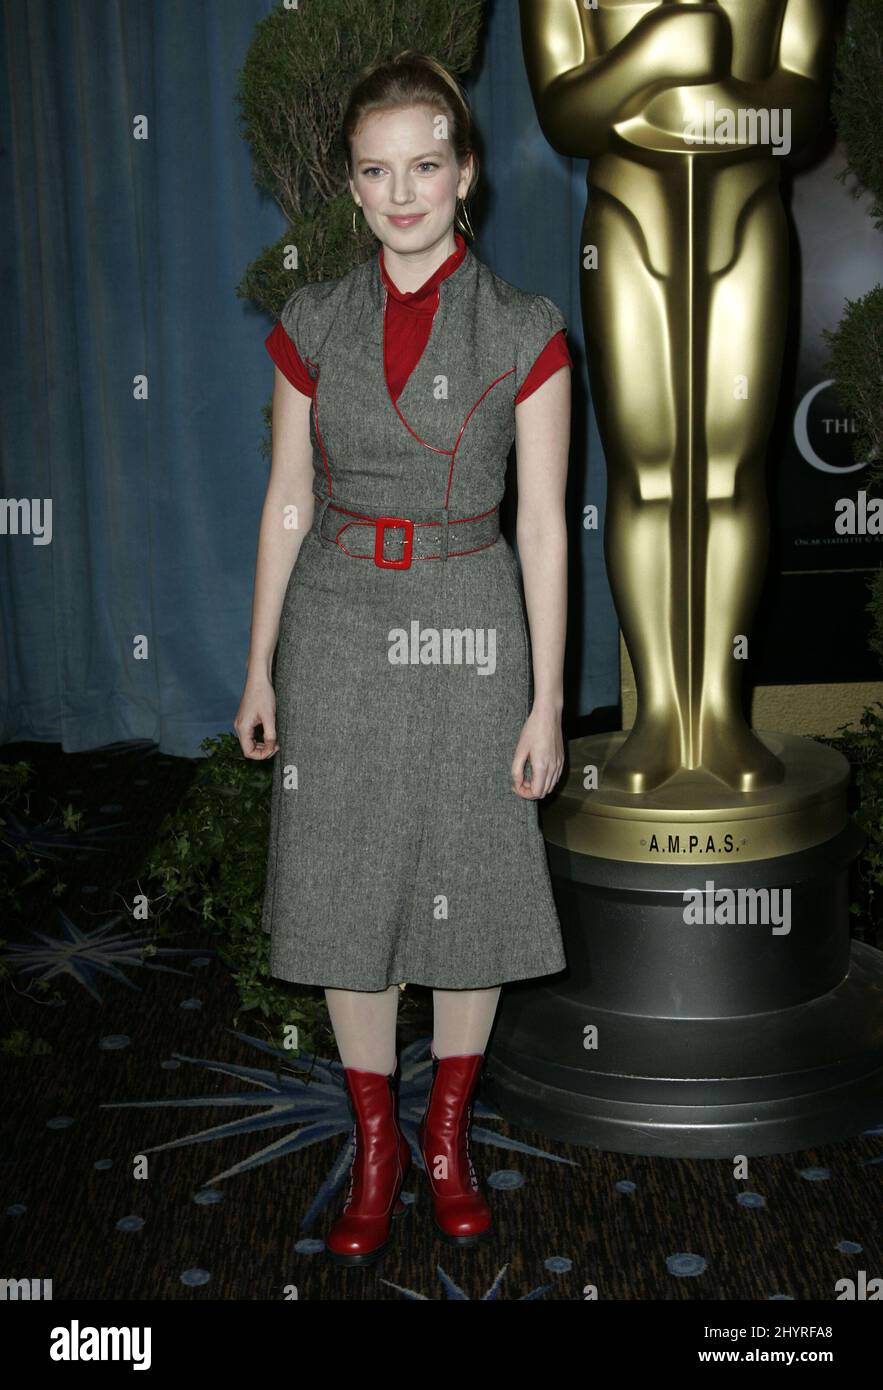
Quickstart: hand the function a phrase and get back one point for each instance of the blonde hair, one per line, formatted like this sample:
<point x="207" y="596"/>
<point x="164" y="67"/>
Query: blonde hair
<point x="411" y="78"/>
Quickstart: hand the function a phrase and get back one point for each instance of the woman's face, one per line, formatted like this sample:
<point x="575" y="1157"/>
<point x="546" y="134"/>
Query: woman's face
<point x="404" y="167"/>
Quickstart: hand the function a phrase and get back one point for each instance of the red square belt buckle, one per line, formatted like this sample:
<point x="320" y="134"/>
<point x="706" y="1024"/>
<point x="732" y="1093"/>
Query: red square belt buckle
<point x="381" y="523"/>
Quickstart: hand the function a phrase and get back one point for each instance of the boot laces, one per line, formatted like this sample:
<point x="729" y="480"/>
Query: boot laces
<point x="473" y="1179"/>
<point x="349" y="1196"/>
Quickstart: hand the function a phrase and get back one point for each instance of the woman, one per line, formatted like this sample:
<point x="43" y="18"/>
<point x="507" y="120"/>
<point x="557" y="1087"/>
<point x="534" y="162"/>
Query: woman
<point x="404" y="841"/>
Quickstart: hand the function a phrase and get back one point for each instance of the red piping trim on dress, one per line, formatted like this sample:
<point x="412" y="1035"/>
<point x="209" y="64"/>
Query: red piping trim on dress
<point x="316" y="421"/>
<point x="435" y="449"/>
<point x="395" y="407"/>
<point x="451" y="453"/>
<point x="465" y="423"/>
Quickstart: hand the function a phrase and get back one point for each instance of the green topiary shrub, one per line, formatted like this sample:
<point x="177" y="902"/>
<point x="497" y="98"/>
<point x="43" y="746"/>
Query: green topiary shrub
<point x="292" y="94"/>
<point x="291" y="122"/>
<point x="856" y="345"/>
<point x="856" y="364"/>
<point x="857" y="98"/>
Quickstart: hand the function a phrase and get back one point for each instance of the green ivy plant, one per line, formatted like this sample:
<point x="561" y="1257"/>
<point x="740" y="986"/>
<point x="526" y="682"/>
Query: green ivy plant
<point x="864" y="749"/>
<point x="210" y="860"/>
<point x="21" y="1043"/>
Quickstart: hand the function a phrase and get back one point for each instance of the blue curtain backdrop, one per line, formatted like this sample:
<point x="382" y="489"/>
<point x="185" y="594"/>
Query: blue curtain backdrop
<point x="120" y="259"/>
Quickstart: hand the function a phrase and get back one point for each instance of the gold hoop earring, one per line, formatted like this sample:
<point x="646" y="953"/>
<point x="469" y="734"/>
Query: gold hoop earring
<point x="354" y="222"/>
<point x="467" y="227"/>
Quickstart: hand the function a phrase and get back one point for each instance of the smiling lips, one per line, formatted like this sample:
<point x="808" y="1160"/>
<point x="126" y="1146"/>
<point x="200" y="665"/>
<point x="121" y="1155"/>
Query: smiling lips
<point x="407" y="221"/>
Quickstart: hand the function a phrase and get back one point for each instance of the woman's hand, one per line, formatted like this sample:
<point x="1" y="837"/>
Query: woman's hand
<point x="541" y="741"/>
<point x="258" y="706"/>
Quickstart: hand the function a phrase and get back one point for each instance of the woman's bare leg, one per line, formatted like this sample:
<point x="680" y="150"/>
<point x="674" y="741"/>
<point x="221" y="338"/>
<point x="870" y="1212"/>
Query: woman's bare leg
<point x="462" y="1020"/>
<point x="364" y="1024"/>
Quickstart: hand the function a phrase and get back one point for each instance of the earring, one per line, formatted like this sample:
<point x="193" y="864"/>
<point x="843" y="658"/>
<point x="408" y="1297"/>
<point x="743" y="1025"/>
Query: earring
<point x="467" y="228"/>
<point x="354" y="221"/>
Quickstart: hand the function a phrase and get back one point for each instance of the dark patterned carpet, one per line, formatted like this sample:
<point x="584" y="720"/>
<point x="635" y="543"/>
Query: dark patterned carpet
<point x="152" y="1152"/>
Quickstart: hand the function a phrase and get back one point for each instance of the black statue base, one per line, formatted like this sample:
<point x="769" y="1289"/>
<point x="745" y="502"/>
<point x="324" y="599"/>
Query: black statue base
<point x="712" y="1039"/>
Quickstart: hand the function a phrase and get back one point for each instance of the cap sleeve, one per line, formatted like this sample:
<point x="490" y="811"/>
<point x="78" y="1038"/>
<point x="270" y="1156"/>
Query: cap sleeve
<point x="553" y="357"/>
<point x="541" y="321"/>
<point x="284" y="342"/>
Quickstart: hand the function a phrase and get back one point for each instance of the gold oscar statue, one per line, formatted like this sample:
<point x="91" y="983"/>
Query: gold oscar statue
<point x="752" y="1023"/>
<point x="685" y="111"/>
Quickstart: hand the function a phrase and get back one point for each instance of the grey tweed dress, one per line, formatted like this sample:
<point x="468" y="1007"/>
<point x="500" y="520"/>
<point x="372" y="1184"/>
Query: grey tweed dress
<point x="398" y="851"/>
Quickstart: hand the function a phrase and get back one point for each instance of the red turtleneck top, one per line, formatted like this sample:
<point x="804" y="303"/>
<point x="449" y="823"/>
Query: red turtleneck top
<point x="409" y="319"/>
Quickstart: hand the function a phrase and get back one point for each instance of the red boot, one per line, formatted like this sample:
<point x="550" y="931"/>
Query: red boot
<point x="462" y="1215"/>
<point x="380" y="1165"/>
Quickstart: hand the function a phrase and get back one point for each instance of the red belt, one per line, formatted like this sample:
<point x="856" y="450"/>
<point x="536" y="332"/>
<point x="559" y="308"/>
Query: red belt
<point x="422" y="540"/>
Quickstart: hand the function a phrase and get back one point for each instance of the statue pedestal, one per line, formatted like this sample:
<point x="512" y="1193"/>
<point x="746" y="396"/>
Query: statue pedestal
<point x="712" y="1038"/>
